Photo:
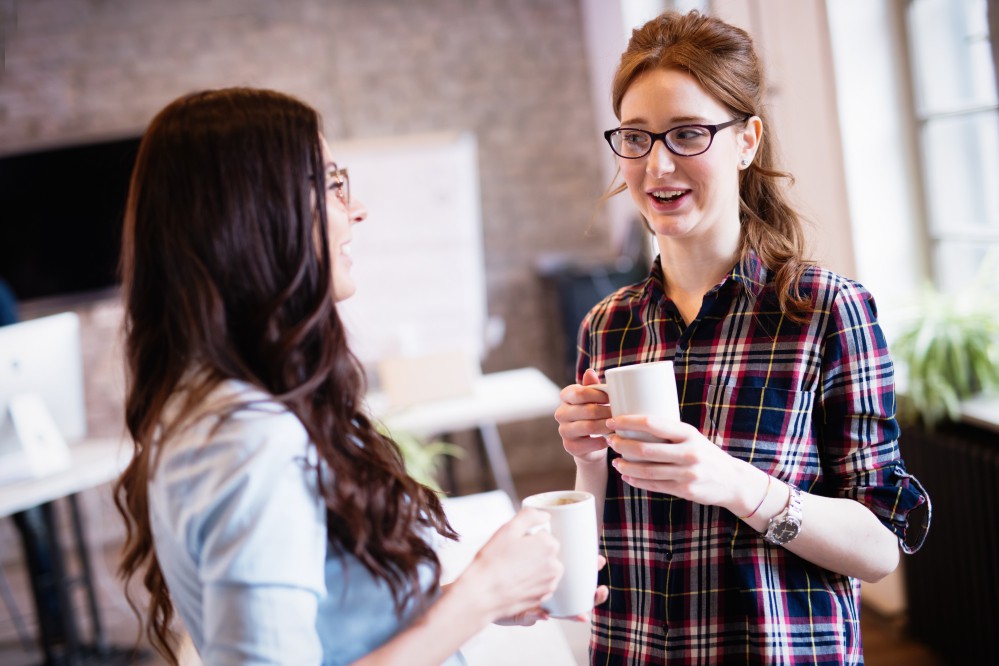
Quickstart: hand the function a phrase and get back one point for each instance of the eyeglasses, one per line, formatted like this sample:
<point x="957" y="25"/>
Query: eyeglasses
<point x="340" y="182"/>
<point x="685" y="140"/>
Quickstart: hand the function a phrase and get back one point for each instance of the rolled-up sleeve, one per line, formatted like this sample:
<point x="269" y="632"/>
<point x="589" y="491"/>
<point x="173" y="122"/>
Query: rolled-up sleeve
<point x="856" y="418"/>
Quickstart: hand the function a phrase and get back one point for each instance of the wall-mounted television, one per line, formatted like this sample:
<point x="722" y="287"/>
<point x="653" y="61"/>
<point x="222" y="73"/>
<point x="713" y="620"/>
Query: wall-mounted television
<point x="61" y="214"/>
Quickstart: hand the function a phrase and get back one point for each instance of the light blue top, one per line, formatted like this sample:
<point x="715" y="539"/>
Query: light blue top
<point x="240" y="535"/>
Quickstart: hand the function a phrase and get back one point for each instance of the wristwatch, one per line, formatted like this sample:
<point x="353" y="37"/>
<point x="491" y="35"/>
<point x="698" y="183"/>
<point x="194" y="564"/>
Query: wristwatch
<point x="786" y="525"/>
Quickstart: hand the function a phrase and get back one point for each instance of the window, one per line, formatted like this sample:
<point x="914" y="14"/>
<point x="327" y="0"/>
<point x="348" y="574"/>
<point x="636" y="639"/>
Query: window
<point x="954" y="83"/>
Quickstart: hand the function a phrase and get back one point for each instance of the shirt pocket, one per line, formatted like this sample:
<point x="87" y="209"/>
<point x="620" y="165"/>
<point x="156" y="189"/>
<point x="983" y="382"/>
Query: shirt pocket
<point x="766" y="426"/>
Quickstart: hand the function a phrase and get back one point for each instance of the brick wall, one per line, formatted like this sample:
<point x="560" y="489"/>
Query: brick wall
<point x="511" y="71"/>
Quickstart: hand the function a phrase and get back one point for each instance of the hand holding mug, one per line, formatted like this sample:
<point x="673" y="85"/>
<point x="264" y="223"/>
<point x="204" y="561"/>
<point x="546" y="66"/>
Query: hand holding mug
<point x="518" y="568"/>
<point x="574" y="526"/>
<point x="675" y="458"/>
<point x="582" y="418"/>
<point x="643" y="388"/>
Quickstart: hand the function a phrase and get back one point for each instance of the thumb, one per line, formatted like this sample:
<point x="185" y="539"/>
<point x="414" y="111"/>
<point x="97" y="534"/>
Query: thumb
<point x="530" y="521"/>
<point x="590" y="377"/>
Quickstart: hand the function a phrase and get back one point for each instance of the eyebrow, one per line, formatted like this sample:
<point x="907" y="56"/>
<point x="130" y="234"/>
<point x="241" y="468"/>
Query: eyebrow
<point x="674" y="122"/>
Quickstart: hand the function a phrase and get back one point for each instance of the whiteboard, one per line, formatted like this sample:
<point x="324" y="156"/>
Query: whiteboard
<point x="418" y="258"/>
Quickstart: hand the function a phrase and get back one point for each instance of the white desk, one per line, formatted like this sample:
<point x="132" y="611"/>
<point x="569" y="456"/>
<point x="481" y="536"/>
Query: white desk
<point x="93" y="462"/>
<point x="498" y="397"/>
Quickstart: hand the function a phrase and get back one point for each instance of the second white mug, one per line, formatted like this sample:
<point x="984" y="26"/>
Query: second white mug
<point x="643" y="388"/>
<point x="574" y="525"/>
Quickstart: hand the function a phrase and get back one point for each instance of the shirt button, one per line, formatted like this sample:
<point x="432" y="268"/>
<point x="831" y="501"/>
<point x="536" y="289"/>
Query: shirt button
<point x="669" y="556"/>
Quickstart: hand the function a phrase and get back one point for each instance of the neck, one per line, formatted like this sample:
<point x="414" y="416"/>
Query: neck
<point x="692" y="267"/>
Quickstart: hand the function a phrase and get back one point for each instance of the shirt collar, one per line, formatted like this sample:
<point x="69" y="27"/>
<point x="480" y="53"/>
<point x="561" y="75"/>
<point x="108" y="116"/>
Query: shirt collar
<point x="749" y="272"/>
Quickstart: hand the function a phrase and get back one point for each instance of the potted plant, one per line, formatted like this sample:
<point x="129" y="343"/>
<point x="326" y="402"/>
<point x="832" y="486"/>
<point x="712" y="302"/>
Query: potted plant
<point x="949" y="352"/>
<point x="424" y="459"/>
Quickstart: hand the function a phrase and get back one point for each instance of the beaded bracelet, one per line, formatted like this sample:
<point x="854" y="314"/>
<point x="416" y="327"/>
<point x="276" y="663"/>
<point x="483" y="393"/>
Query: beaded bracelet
<point x="765" y="493"/>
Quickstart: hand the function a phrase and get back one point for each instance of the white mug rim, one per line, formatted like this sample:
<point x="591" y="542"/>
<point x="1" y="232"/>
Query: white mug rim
<point x="537" y="500"/>
<point x="633" y="366"/>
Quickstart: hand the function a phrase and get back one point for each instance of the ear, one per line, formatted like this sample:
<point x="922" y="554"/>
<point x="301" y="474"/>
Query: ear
<point x="749" y="141"/>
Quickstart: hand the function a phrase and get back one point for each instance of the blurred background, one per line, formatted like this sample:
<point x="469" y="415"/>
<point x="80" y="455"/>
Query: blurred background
<point x="885" y="112"/>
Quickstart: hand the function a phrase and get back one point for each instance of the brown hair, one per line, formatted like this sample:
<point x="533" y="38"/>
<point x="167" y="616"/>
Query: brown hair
<point x="226" y="269"/>
<point x="722" y="59"/>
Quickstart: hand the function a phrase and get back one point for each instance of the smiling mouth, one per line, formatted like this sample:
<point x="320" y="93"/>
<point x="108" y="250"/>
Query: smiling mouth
<point x="667" y="195"/>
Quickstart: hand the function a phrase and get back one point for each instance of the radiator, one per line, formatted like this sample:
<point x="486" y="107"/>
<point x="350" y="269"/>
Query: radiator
<point x="952" y="583"/>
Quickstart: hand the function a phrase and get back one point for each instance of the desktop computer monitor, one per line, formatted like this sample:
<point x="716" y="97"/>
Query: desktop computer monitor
<point x="41" y="395"/>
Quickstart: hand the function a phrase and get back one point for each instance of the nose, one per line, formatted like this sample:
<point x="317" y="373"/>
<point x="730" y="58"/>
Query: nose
<point x="660" y="160"/>
<point x="357" y="211"/>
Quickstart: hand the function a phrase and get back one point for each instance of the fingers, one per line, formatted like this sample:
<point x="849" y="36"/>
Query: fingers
<point x="578" y="432"/>
<point x="662" y="453"/>
<point x="577" y="394"/>
<point x="529" y="521"/>
<point x="589" y="390"/>
<point x="669" y="430"/>
<point x="633" y="470"/>
<point x="582" y="417"/>
<point x="525" y="619"/>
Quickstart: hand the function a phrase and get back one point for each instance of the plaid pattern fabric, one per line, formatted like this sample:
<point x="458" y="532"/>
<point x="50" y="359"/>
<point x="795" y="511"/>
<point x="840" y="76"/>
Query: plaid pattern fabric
<point x="811" y="404"/>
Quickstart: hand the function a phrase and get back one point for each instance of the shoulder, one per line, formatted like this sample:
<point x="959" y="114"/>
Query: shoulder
<point x="823" y="283"/>
<point x="831" y="294"/>
<point x="237" y="430"/>
<point x="239" y="468"/>
<point x="622" y="302"/>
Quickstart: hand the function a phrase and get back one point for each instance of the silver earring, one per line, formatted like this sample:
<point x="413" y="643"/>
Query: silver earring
<point x="745" y="162"/>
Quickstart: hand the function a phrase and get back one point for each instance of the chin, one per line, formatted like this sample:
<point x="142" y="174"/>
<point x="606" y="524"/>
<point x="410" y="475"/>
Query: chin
<point x="343" y="290"/>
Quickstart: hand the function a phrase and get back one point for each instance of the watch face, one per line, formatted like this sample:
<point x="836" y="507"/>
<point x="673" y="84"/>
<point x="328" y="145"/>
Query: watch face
<point x="784" y="527"/>
<point x="783" y="533"/>
<point x="787" y="532"/>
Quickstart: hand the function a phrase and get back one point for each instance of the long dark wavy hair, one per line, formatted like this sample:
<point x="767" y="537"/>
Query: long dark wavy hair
<point x="226" y="270"/>
<point x="722" y="58"/>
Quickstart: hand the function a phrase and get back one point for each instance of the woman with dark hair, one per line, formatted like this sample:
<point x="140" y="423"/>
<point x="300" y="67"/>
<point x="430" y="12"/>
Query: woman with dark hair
<point x="262" y="505"/>
<point x="741" y="533"/>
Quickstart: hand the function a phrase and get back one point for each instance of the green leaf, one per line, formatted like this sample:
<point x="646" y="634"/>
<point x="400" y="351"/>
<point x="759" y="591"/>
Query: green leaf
<point x="950" y="351"/>
<point x="423" y="459"/>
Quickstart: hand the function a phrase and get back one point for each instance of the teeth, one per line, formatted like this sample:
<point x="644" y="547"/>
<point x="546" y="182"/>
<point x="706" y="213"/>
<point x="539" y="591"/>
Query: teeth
<point x="667" y="194"/>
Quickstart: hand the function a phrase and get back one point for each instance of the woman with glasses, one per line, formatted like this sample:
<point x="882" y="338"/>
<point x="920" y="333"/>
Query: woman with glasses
<point x="262" y="505"/>
<point x="741" y="534"/>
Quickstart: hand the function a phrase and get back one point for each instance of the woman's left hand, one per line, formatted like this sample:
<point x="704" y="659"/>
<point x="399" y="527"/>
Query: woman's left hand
<point x="529" y="617"/>
<point x="684" y="464"/>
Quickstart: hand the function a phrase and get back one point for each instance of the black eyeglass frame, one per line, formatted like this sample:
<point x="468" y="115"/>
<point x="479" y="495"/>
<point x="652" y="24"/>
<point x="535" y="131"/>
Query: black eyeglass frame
<point x="661" y="136"/>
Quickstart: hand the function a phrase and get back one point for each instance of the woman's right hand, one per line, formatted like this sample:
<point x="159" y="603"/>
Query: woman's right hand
<point x="582" y="414"/>
<point x="517" y="569"/>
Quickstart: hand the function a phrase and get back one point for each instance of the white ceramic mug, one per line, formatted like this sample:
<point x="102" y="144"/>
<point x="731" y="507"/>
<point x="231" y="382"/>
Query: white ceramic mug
<point x="574" y="525"/>
<point x="643" y="388"/>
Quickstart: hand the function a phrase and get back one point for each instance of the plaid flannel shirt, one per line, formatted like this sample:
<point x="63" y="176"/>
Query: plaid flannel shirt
<point x="811" y="404"/>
